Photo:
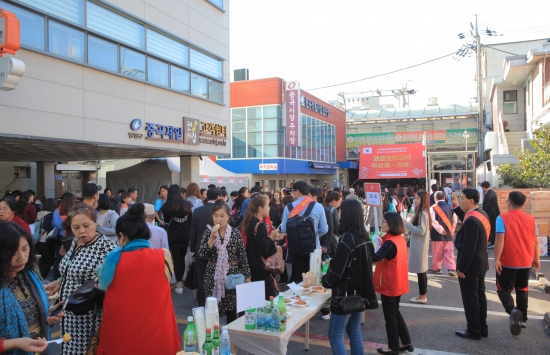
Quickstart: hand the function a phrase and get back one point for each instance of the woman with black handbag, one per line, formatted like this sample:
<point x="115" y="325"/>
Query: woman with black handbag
<point x="350" y="278"/>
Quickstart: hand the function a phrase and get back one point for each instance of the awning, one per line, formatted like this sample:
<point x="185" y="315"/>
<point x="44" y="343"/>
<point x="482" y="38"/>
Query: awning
<point x="323" y="165"/>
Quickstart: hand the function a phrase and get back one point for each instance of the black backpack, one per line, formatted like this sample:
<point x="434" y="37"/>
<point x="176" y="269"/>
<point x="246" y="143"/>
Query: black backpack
<point x="301" y="233"/>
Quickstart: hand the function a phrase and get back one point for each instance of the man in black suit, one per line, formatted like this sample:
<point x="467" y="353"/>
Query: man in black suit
<point x="201" y="218"/>
<point x="472" y="262"/>
<point x="490" y="206"/>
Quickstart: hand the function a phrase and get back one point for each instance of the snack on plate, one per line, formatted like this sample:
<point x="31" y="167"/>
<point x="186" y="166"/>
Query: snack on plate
<point x="317" y="288"/>
<point x="295" y="298"/>
<point x="66" y="337"/>
<point x="287" y="300"/>
<point x="300" y="303"/>
<point x="307" y="291"/>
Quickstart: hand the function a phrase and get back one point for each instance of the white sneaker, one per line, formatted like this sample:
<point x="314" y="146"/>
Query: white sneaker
<point x="326" y="317"/>
<point x="179" y="290"/>
<point x="418" y="300"/>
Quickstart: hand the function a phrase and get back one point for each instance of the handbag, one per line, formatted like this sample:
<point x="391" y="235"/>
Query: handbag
<point x="233" y="280"/>
<point x="275" y="264"/>
<point x="352" y="303"/>
<point x="86" y="298"/>
<point x="192" y="281"/>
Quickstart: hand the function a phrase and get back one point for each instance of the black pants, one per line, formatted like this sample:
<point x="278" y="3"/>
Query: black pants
<point x="472" y="289"/>
<point x="299" y="266"/>
<point x="201" y="269"/>
<point x="230" y="316"/>
<point x="493" y="233"/>
<point x="178" y="257"/>
<point x="47" y="257"/>
<point x="508" y="280"/>
<point x="422" y="284"/>
<point x="57" y="246"/>
<point x="396" y="328"/>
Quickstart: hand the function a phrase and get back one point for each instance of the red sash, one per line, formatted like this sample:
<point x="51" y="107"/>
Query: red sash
<point x="444" y="218"/>
<point x="300" y="207"/>
<point x="484" y="220"/>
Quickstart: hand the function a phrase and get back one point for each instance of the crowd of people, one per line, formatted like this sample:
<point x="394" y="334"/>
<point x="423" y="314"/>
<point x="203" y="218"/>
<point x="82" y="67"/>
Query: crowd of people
<point x="125" y="247"/>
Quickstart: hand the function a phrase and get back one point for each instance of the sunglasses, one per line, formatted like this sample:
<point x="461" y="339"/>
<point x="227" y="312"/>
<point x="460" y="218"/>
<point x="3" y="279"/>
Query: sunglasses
<point x="80" y="210"/>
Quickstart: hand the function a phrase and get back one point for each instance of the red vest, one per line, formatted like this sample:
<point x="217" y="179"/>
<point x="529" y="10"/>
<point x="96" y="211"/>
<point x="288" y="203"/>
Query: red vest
<point x="138" y="313"/>
<point x="391" y="277"/>
<point x="520" y="239"/>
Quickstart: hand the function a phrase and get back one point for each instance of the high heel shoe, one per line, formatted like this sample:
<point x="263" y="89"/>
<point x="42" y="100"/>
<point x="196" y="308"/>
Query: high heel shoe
<point x="391" y="352"/>
<point x="408" y="348"/>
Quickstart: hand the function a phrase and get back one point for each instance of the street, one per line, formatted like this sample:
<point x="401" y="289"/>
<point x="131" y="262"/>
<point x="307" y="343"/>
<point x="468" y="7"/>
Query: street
<point x="431" y="326"/>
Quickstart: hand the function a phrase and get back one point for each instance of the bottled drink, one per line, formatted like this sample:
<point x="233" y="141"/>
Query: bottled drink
<point x="250" y="319"/>
<point x="216" y="341"/>
<point x="271" y="301"/>
<point x="267" y="316"/>
<point x="190" y="328"/>
<point x="190" y="343"/>
<point x="275" y="320"/>
<point x="282" y="310"/>
<point x="207" y="347"/>
<point x="225" y="344"/>
<point x="260" y="319"/>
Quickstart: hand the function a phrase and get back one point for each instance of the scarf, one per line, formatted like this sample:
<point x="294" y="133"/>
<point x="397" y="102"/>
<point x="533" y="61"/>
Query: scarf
<point x="12" y="319"/>
<point x="106" y="271"/>
<point x="300" y="207"/>
<point x="222" y="265"/>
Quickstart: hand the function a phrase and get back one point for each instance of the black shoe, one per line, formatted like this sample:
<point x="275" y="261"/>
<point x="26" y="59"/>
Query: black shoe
<point x="485" y="333"/>
<point x="467" y="334"/>
<point x="516" y="316"/>
<point x="408" y="348"/>
<point x="391" y="352"/>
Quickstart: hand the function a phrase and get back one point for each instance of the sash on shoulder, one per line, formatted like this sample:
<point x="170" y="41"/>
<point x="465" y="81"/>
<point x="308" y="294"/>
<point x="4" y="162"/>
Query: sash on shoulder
<point x="484" y="220"/>
<point x="444" y="218"/>
<point x="300" y="207"/>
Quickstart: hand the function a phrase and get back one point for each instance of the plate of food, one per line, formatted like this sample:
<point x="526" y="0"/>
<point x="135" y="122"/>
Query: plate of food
<point x="317" y="289"/>
<point x="287" y="301"/>
<point x="307" y="291"/>
<point x="297" y="298"/>
<point x="300" y="303"/>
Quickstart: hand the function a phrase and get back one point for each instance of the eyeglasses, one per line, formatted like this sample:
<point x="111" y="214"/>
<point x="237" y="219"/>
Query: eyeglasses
<point x="80" y="210"/>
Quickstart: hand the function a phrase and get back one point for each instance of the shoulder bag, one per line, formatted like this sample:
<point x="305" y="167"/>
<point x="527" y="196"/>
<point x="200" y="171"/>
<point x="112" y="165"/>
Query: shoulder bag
<point x="275" y="264"/>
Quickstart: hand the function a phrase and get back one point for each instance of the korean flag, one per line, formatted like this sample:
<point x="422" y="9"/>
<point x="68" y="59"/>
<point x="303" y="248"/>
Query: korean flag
<point x="367" y="150"/>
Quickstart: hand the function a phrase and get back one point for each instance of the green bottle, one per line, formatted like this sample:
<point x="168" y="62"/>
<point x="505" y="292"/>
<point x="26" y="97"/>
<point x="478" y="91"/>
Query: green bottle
<point x="282" y="310"/>
<point x="190" y="328"/>
<point x="271" y="301"/>
<point x="208" y="346"/>
<point x="216" y="341"/>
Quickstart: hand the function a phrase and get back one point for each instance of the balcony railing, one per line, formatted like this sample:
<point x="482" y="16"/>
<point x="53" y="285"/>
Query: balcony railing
<point x="503" y="143"/>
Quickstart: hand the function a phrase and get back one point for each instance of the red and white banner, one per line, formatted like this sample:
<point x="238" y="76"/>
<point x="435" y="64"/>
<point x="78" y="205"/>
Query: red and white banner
<point x="205" y="178"/>
<point x="392" y="161"/>
<point x="241" y="179"/>
<point x="231" y="179"/>
<point x="220" y="179"/>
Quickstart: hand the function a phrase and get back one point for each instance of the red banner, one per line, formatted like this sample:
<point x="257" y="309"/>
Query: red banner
<point x="392" y="161"/>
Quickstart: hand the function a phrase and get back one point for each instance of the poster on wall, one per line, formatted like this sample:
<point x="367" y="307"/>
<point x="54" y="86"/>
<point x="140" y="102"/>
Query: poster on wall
<point x="220" y="179"/>
<point x="205" y="178"/>
<point x="392" y="161"/>
<point x="292" y="113"/>
<point x="231" y="179"/>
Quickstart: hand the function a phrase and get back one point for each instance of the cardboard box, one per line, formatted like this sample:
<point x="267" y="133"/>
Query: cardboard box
<point x="543" y="245"/>
<point x="540" y="201"/>
<point x="541" y="216"/>
<point x="542" y="229"/>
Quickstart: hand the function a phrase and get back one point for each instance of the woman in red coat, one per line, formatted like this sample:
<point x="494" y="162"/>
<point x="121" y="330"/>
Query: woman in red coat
<point x="138" y="313"/>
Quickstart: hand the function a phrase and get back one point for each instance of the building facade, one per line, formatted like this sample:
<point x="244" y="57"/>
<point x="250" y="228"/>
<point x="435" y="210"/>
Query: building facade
<point x="260" y="132"/>
<point x="117" y="79"/>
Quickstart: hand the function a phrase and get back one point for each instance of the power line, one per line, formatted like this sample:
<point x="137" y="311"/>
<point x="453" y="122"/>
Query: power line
<point x="391" y="72"/>
<point x="496" y="49"/>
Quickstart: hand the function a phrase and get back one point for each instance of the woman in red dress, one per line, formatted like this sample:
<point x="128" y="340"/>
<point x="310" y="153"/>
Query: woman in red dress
<point x="138" y="313"/>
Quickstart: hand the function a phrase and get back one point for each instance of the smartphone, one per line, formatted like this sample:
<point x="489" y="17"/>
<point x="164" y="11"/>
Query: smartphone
<point x="55" y="310"/>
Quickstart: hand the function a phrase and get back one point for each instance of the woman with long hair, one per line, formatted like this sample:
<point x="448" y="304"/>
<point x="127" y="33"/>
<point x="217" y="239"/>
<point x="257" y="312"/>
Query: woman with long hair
<point x="277" y="203"/>
<point x="385" y="201"/>
<point x="193" y="195"/>
<point x="106" y="218"/>
<point x="260" y="244"/>
<point x="177" y="213"/>
<point x="26" y="208"/>
<point x="410" y="194"/>
<point x="223" y="247"/>
<point x="328" y="242"/>
<point x="243" y="195"/>
<point x="420" y="226"/>
<point x="357" y="279"/>
<point x="203" y="195"/>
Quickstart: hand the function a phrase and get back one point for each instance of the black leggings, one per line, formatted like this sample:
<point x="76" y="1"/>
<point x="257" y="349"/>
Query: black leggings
<point x="231" y="316"/>
<point x="178" y="256"/>
<point x="422" y="284"/>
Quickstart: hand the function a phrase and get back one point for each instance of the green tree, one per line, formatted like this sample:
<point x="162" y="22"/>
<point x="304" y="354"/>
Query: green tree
<point x="533" y="169"/>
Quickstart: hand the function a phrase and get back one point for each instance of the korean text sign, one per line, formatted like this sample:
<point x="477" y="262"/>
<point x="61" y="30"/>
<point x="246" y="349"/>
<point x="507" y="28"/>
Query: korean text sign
<point x="292" y="111"/>
<point x="392" y="161"/>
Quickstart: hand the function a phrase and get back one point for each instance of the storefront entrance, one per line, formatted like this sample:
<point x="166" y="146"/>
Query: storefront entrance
<point x="454" y="169"/>
<point x="72" y="181"/>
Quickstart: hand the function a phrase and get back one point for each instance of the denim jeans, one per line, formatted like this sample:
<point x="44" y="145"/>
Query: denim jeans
<point x="352" y="324"/>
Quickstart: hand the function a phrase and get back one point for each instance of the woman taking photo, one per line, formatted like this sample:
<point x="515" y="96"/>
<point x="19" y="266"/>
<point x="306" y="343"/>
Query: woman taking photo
<point x="106" y="218"/>
<point x="343" y="280"/>
<point x="193" y="196"/>
<point x="259" y="244"/>
<point x="420" y="226"/>
<point x="26" y="208"/>
<point x="392" y="281"/>
<point x="7" y="213"/>
<point x="177" y="213"/>
<point x="127" y="305"/>
<point x="224" y="248"/>
<point x="87" y="251"/>
<point x="24" y="311"/>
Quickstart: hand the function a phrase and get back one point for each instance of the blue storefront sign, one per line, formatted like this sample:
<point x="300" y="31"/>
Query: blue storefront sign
<point x="283" y="166"/>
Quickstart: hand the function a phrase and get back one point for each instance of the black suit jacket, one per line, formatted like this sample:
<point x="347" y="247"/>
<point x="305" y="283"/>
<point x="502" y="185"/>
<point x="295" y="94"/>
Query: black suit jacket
<point x="471" y="243"/>
<point x="201" y="217"/>
<point x="490" y="206"/>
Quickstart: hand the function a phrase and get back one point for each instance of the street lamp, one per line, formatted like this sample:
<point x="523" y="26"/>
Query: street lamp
<point x="466" y="135"/>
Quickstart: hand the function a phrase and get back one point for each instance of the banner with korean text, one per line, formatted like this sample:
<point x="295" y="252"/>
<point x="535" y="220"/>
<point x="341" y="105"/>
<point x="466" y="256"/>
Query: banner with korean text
<point x="292" y="112"/>
<point x="392" y="161"/>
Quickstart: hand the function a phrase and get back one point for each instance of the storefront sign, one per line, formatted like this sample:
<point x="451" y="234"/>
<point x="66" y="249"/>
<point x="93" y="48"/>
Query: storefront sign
<point x="220" y="179"/>
<point x="372" y="192"/>
<point x="313" y="106"/>
<point x="450" y="136"/>
<point x="205" y="178"/>
<point x="161" y="132"/>
<point x="292" y="95"/>
<point x="392" y="161"/>
<point x="268" y="166"/>
<point x="136" y="124"/>
<point x="231" y="179"/>
<point x="191" y="130"/>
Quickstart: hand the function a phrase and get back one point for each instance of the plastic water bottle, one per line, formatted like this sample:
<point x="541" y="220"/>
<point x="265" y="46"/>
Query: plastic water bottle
<point x="225" y="344"/>
<point x="260" y="319"/>
<point x="267" y="316"/>
<point x="190" y="328"/>
<point x="281" y="306"/>
<point x="275" y="320"/>
<point x="190" y="343"/>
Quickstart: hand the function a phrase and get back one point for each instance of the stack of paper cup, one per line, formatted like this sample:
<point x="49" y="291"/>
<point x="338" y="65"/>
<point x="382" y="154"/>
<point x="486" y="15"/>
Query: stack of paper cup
<point x="200" y="323"/>
<point x="211" y="313"/>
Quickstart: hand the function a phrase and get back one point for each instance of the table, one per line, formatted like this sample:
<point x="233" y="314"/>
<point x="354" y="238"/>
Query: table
<point x="268" y="343"/>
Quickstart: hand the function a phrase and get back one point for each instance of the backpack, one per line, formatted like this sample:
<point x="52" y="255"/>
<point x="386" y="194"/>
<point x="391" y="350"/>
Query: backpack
<point x="301" y="233"/>
<point x="401" y="205"/>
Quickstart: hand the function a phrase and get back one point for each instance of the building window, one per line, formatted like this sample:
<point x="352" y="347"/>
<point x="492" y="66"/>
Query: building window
<point x="217" y="3"/>
<point x="215" y="90"/>
<point x="167" y="48"/>
<point x="21" y="172"/>
<point x="102" y="54"/>
<point x="32" y="26"/>
<point x="110" y="24"/>
<point x="70" y="10"/>
<point x="66" y="42"/>
<point x="180" y="79"/>
<point x="132" y="63"/>
<point x="510" y="102"/>
<point x="157" y="72"/>
<point x="206" y="64"/>
<point x="199" y="86"/>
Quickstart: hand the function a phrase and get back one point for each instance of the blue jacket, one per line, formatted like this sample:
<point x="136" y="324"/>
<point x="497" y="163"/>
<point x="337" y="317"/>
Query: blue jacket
<point x="318" y="215"/>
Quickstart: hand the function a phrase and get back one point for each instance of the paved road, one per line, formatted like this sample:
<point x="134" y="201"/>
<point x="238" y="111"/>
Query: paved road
<point x="431" y="326"/>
